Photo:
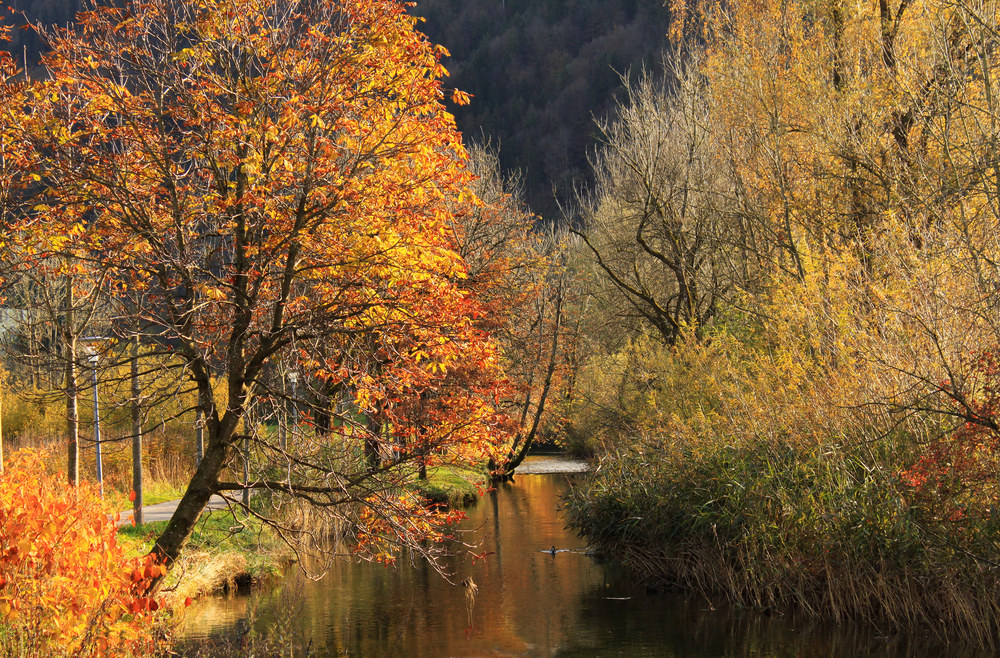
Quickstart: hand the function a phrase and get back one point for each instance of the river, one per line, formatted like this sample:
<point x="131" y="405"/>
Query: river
<point x="530" y="602"/>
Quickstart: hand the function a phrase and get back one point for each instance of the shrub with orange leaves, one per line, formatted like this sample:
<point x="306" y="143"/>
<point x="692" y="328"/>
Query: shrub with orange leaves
<point x="956" y="478"/>
<point x="66" y="586"/>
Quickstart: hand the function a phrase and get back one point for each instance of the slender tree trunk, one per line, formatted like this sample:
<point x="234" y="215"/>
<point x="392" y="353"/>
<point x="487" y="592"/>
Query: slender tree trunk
<point x="1" y="425"/>
<point x="250" y="427"/>
<point x="136" y="435"/>
<point x="422" y="435"/>
<point x="33" y="353"/>
<point x="516" y="456"/>
<point x="246" y="468"/>
<point x="199" y="435"/>
<point x="372" y="441"/>
<point x="72" y="411"/>
<point x="324" y="409"/>
<point x="203" y="411"/>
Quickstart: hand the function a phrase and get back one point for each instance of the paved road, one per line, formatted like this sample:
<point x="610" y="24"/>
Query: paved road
<point x="549" y="464"/>
<point x="533" y="465"/>
<point x="163" y="511"/>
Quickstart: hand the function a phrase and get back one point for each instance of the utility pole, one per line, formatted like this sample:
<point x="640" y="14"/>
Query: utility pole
<point x="94" y="359"/>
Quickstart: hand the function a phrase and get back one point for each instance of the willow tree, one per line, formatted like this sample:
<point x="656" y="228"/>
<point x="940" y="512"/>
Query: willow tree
<point x="265" y="180"/>
<point x="862" y="141"/>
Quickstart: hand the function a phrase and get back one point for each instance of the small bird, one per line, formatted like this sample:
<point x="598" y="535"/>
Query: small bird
<point x="552" y="550"/>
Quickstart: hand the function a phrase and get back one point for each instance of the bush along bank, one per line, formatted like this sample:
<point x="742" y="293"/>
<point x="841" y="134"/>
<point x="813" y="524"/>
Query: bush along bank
<point x="451" y="486"/>
<point x="832" y="532"/>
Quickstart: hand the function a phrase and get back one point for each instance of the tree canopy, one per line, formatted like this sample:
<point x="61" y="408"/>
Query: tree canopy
<point x="264" y="186"/>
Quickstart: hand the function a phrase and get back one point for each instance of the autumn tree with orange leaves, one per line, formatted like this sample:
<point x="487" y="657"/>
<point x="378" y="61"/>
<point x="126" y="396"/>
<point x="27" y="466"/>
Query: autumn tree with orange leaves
<point x="518" y="275"/>
<point x="265" y="181"/>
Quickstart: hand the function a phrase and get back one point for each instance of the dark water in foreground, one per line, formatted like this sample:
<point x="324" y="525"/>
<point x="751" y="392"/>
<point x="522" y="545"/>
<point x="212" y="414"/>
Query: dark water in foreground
<point x="529" y="603"/>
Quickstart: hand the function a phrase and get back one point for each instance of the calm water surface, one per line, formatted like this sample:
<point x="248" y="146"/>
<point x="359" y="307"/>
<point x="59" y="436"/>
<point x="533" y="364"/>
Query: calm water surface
<point x="530" y="602"/>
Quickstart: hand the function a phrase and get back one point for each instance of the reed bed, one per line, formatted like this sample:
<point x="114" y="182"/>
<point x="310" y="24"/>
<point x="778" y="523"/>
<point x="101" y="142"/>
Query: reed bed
<point x="830" y="533"/>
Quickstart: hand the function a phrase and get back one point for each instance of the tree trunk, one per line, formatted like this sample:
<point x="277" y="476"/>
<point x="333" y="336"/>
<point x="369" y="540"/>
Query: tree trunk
<point x="246" y="469"/>
<point x="199" y="435"/>
<point x="1" y="426"/>
<point x="200" y="420"/>
<point x="203" y="485"/>
<point x="72" y="416"/>
<point x="33" y="357"/>
<point x="371" y="442"/>
<point x="523" y="441"/>
<point x="324" y="408"/>
<point x="72" y="411"/>
<point x="136" y="435"/>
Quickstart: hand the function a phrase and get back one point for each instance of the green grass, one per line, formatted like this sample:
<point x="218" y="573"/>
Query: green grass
<point x="215" y="532"/>
<point x="153" y="493"/>
<point x="451" y="485"/>
<point x="218" y="536"/>
<point x="161" y="492"/>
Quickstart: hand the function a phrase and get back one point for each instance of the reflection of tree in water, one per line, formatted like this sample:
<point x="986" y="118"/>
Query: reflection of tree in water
<point x="673" y="624"/>
<point x="529" y="601"/>
<point x="524" y="602"/>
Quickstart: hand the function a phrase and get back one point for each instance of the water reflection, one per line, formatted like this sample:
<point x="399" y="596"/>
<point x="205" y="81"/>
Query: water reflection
<point x="529" y="602"/>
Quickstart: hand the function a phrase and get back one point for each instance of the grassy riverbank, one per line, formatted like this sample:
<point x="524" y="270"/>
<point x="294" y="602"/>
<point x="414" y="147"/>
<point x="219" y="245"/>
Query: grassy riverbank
<point x="452" y="485"/>
<point x="770" y="528"/>
<point x="223" y="553"/>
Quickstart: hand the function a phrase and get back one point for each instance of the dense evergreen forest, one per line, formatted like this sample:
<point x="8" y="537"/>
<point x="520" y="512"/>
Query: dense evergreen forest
<point x="539" y="73"/>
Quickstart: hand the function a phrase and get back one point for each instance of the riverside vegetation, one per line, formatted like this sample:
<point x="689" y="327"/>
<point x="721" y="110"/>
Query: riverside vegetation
<point x="801" y="225"/>
<point x="228" y="550"/>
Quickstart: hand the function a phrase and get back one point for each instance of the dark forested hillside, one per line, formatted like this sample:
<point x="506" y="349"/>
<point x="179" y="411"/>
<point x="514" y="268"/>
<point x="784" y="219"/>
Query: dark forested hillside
<point x="539" y="72"/>
<point x="24" y="43"/>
